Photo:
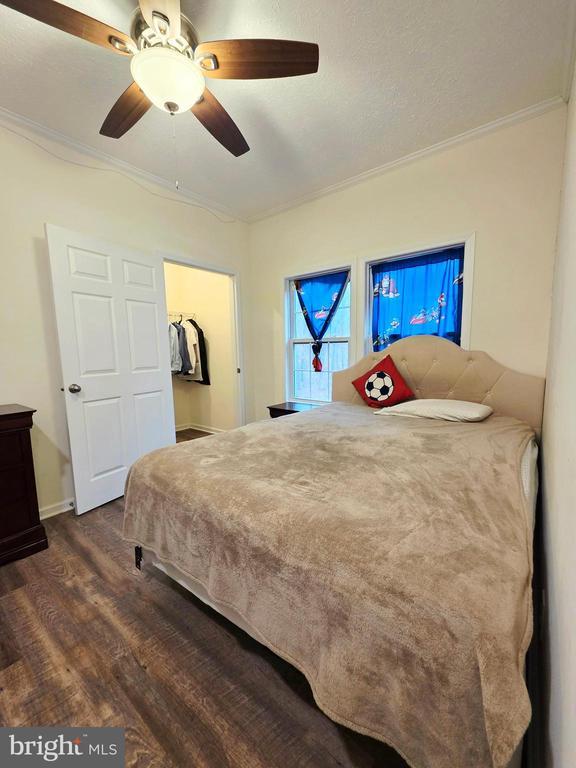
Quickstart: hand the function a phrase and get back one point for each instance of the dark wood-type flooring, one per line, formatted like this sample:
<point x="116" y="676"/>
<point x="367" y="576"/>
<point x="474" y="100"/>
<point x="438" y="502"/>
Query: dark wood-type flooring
<point x="189" y="434"/>
<point x="87" y="640"/>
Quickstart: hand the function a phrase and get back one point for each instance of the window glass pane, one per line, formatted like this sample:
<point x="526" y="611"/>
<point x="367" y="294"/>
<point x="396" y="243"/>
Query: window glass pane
<point x="302" y="385"/>
<point x="320" y="386"/>
<point x="338" y="355"/>
<point x="345" y="301"/>
<point x="302" y="357"/>
<point x="310" y="384"/>
<point x="295" y="302"/>
<point x="300" y="328"/>
<point x="340" y="325"/>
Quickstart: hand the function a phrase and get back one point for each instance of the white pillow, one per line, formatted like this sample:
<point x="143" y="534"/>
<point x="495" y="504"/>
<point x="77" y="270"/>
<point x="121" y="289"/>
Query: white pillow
<point x="448" y="410"/>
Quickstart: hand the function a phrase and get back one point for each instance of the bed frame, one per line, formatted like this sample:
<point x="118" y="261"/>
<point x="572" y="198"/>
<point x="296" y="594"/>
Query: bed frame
<point x="436" y="368"/>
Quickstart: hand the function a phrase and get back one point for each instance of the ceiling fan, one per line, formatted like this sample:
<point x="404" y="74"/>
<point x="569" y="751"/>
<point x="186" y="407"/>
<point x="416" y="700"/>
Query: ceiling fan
<point x="169" y="66"/>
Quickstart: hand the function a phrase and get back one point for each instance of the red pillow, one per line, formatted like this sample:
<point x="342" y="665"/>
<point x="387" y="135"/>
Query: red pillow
<point x="383" y="385"/>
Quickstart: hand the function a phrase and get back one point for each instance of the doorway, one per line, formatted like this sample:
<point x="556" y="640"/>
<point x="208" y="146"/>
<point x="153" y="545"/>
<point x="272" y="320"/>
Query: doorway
<point x="207" y="397"/>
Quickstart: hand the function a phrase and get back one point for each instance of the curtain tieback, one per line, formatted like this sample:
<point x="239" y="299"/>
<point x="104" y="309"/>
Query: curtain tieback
<point x="316" y="362"/>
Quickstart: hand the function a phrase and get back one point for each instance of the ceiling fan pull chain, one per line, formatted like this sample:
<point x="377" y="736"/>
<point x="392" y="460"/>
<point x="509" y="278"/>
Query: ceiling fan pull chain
<point x="175" y="148"/>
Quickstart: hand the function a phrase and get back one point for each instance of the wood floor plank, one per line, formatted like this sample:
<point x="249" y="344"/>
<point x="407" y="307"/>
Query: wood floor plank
<point x="11" y="578"/>
<point x="86" y="639"/>
<point x="9" y="649"/>
<point x="190" y="434"/>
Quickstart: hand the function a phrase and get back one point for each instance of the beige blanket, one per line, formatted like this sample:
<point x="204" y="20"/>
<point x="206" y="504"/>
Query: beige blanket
<point x="388" y="558"/>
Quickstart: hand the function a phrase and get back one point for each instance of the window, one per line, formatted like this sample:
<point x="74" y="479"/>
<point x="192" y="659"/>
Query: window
<point x="417" y="294"/>
<point x="305" y="383"/>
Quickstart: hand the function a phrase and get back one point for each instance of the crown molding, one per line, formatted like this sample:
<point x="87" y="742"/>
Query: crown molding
<point x="15" y="121"/>
<point x="502" y="122"/>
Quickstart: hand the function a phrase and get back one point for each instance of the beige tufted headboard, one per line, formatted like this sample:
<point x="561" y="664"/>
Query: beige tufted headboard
<point x="436" y="368"/>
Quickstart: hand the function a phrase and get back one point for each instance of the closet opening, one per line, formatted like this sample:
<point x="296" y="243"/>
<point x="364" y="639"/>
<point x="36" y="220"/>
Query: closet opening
<point x="204" y="350"/>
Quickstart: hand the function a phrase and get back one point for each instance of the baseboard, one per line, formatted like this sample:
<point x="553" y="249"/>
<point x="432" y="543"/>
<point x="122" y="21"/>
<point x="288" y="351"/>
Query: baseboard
<point x="201" y="427"/>
<point x="204" y="428"/>
<point x="67" y="505"/>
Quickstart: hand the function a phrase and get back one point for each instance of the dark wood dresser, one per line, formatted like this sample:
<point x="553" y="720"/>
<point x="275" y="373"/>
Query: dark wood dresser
<point x="21" y="532"/>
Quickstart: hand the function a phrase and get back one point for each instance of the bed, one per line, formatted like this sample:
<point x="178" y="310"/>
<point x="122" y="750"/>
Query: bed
<point x="387" y="558"/>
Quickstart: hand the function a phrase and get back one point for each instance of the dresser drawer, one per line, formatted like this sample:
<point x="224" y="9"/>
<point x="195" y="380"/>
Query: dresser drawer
<point x="11" y="449"/>
<point x="12" y="485"/>
<point x="15" y="507"/>
<point x="14" y="518"/>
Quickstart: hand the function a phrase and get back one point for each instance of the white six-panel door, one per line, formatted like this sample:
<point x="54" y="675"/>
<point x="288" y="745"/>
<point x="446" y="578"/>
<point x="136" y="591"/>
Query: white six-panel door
<point x="112" y="328"/>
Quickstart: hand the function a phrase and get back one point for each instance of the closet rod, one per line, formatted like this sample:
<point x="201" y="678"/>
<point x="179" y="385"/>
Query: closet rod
<point x="184" y="313"/>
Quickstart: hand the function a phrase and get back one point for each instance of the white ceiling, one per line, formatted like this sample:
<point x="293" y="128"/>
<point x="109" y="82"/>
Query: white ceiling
<point x="396" y="76"/>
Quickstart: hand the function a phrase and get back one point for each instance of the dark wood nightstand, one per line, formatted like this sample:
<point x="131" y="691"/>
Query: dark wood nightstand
<point x="21" y="532"/>
<point x="283" y="409"/>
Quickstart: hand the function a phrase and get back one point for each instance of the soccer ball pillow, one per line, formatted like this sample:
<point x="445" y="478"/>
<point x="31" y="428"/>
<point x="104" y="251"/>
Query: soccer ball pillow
<point x="383" y="385"/>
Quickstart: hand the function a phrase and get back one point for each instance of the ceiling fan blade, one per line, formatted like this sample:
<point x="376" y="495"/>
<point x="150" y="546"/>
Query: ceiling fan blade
<point x="255" y="59"/>
<point x="75" y="23"/>
<point x="164" y="9"/>
<point x="215" y="119"/>
<point x="129" y="108"/>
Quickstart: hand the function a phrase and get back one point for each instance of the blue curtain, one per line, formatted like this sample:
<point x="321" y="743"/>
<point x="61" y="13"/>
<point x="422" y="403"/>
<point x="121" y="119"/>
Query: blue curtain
<point x="418" y="295"/>
<point x="319" y="297"/>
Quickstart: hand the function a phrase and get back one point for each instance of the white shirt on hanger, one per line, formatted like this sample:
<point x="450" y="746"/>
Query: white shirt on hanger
<point x="192" y="343"/>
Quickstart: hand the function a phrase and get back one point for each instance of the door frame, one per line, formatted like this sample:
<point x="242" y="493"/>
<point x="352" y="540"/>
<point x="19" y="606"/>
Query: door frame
<point x="236" y="329"/>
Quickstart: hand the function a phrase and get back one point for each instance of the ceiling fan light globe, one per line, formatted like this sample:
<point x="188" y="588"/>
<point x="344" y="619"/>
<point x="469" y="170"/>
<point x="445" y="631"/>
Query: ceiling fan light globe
<point x="168" y="78"/>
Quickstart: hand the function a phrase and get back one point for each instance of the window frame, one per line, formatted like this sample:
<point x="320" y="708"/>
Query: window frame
<point x="292" y="340"/>
<point x="467" y="289"/>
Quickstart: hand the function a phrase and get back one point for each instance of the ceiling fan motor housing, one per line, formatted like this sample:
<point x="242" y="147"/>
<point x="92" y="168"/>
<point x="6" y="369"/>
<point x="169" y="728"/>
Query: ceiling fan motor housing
<point x="163" y="66"/>
<point x="146" y="37"/>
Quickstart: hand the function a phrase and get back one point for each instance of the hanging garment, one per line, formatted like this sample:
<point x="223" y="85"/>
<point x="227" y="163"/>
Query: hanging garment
<point x="175" y="356"/>
<point x="192" y="342"/>
<point x="201" y="374"/>
<point x="183" y="348"/>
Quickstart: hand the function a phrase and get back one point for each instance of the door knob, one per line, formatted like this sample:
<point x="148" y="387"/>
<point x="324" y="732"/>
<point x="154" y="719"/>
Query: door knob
<point x="74" y="388"/>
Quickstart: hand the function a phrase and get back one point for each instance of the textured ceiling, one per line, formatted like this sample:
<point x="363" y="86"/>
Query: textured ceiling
<point x="396" y="76"/>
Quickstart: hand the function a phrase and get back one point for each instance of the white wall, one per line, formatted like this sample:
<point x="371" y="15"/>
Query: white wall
<point x="36" y="188"/>
<point x="503" y="186"/>
<point x="559" y="480"/>
<point x="209" y="295"/>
